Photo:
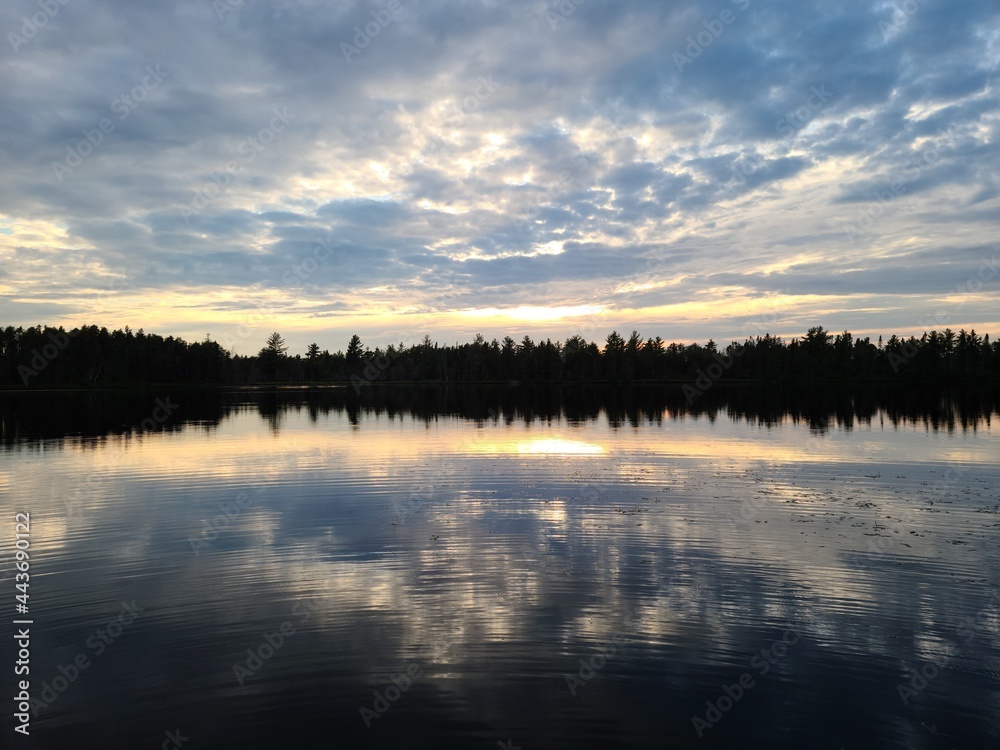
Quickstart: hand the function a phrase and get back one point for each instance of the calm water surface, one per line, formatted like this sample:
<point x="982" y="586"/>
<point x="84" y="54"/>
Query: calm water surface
<point x="435" y="569"/>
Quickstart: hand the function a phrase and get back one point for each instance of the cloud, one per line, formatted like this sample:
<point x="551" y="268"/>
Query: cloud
<point x="465" y="136"/>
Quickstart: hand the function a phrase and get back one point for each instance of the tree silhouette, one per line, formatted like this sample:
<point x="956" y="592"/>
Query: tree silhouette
<point x="271" y="356"/>
<point x="355" y="355"/>
<point x="614" y="349"/>
<point x="92" y="356"/>
<point x="355" y="349"/>
<point x="275" y="346"/>
<point x="312" y="360"/>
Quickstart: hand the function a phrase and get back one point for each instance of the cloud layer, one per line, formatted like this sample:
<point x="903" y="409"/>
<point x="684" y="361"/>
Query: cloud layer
<point x="417" y="167"/>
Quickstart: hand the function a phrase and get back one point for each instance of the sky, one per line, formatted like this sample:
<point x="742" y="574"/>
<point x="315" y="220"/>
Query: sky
<point x="686" y="169"/>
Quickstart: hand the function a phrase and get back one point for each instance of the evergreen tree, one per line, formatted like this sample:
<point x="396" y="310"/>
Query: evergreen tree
<point x="272" y="356"/>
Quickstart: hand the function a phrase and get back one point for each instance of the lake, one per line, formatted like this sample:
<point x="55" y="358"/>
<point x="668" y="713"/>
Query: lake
<point x="507" y="567"/>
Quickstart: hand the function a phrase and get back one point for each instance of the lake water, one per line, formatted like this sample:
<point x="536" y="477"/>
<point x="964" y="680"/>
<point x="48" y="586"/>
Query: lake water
<point x="486" y="568"/>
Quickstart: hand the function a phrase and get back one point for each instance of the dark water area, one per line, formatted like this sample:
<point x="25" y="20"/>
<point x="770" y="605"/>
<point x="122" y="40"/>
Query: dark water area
<point x="506" y="567"/>
<point x="31" y="416"/>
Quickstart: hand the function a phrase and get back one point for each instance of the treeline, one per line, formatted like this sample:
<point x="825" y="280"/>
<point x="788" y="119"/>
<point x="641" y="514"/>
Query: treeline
<point x="92" y="356"/>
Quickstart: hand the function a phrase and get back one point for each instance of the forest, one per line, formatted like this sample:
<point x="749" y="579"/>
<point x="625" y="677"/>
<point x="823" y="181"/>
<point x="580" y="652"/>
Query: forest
<point x="89" y="356"/>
